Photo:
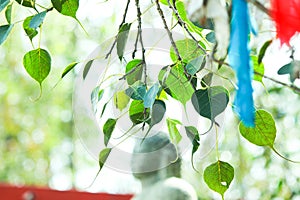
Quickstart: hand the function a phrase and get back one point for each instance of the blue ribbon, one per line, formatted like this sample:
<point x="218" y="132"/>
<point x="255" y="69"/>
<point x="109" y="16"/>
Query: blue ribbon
<point x="239" y="59"/>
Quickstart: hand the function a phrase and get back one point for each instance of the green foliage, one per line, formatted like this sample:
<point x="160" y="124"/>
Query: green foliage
<point x="66" y="7"/>
<point x="218" y="176"/>
<point x="122" y="39"/>
<point x="136" y="91"/>
<point x="87" y="68"/>
<point x="137" y="112"/>
<point x="27" y="3"/>
<point x="103" y="155"/>
<point x="134" y="71"/>
<point x="193" y="135"/>
<point x="121" y="100"/>
<point x="263" y="50"/>
<point x="37" y="20"/>
<point x="8" y="12"/>
<point x="4" y="31"/>
<point x="174" y="133"/>
<point x="150" y="95"/>
<point x="30" y="32"/>
<point x="259" y="69"/>
<point x="108" y="128"/>
<point x="96" y="96"/>
<point x="68" y="69"/>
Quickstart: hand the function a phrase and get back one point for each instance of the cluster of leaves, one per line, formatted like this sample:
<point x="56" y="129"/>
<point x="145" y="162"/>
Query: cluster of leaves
<point x="182" y="80"/>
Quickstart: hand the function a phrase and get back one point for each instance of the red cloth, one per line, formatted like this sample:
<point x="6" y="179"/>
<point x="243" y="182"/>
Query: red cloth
<point x="286" y="14"/>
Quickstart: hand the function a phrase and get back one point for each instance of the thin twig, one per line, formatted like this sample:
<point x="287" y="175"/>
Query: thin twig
<point x="183" y="24"/>
<point x="167" y="29"/>
<point x="260" y="6"/>
<point x="121" y="24"/>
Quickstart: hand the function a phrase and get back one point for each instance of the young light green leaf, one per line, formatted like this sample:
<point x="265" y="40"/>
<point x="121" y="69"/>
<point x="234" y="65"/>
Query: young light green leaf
<point x="210" y="102"/>
<point x="218" y="176"/>
<point x="108" y="128"/>
<point x="263" y="50"/>
<point x="176" y="83"/>
<point x="37" y="64"/>
<point x="103" y="155"/>
<point x="195" y="65"/>
<point x="8" y="12"/>
<point x="66" y="7"/>
<point x="27" y="3"/>
<point x="188" y="50"/>
<point x="87" y="68"/>
<point x="175" y="136"/>
<point x="121" y="100"/>
<point x="259" y="68"/>
<point x="264" y="131"/>
<point x="150" y="96"/>
<point x="37" y="20"/>
<point x="137" y="112"/>
<point x="30" y="32"/>
<point x="3" y="4"/>
<point x="4" y="32"/>
<point x="193" y="135"/>
<point x="136" y="91"/>
<point x="134" y="71"/>
<point x="206" y="80"/>
<point x="122" y="39"/>
<point x="68" y="69"/>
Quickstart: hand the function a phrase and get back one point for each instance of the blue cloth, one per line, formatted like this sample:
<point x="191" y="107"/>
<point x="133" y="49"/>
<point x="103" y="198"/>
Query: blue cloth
<point x="239" y="59"/>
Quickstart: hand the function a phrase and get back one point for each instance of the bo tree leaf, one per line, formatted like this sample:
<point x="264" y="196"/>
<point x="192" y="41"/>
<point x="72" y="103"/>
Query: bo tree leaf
<point x="136" y="91"/>
<point x="138" y="113"/>
<point x="121" y="100"/>
<point x="37" y="64"/>
<point x="218" y="176"/>
<point x="3" y="4"/>
<point x="68" y="69"/>
<point x="27" y="3"/>
<point x="37" y="20"/>
<point x="66" y="7"/>
<point x="150" y="96"/>
<point x="263" y="50"/>
<point x="195" y="65"/>
<point x="188" y="50"/>
<point x="30" y="32"/>
<point x="103" y="155"/>
<point x="108" y="128"/>
<point x="174" y="133"/>
<point x="134" y="71"/>
<point x="122" y="39"/>
<point x="4" y="32"/>
<point x="176" y="83"/>
<point x="210" y="102"/>
<point x="87" y="68"/>
<point x="258" y="68"/>
<point x="264" y="131"/>
<point x="8" y="12"/>
<point x="193" y="135"/>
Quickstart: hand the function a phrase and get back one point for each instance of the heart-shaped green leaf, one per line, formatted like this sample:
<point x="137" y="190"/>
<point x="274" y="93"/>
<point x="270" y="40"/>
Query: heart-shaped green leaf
<point x="218" y="176"/>
<point x="174" y="133"/>
<point x="134" y="71"/>
<point x="37" y="64"/>
<point x="121" y="100"/>
<point x="4" y="32"/>
<point x="264" y="131"/>
<point x="108" y="128"/>
<point x="258" y="68"/>
<point x="30" y="32"/>
<point x="122" y="39"/>
<point x="195" y="65"/>
<point x="210" y="102"/>
<point x="37" y="20"/>
<point x="137" y="112"/>
<point x="66" y="7"/>
<point x="158" y="111"/>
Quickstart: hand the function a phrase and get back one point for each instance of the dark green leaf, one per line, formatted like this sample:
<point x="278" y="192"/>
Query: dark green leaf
<point x="27" y="3"/>
<point x="8" y="12"/>
<point x="136" y="91"/>
<point x="158" y="112"/>
<point x="134" y="71"/>
<point x="103" y="155"/>
<point x="136" y="112"/>
<point x="286" y="69"/>
<point x="3" y="4"/>
<point x="176" y="83"/>
<point x="87" y="68"/>
<point x="96" y="96"/>
<point x="195" y="65"/>
<point x="121" y="100"/>
<point x="218" y="176"/>
<point x="258" y="68"/>
<point x="68" y="69"/>
<point x="122" y="39"/>
<point x="108" y="128"/>
<point x="293" y="69"/>
<point x="4" y="32"/>
<point x="264" y="131"/>
<point x="210" y="102"/>
<point x="193" y="135"/>
<point x="262" y="51"/>
<point x="103" y="109"/>
<point x="37" y="64"/>
<point x="206" y="80"/>
<point x="150" y="96"/>
<point x="66" y="7"/>
<point x="188" y="50"/>
<point x="211" y="37"/>
<point x="30" y="32"/>
<point x="37" y="20"/>
<point x="175" y="136"/>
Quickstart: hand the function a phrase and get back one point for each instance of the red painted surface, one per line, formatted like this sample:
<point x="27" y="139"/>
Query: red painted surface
<point x="18" y="193"/>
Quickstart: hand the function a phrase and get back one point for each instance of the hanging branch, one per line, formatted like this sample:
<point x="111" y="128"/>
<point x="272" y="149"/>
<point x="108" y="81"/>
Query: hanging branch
<point x="183" y="25"/>
<point x="167" y="29"/>
<point x="260" y="6"/>
<point x="121" y="24"/>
